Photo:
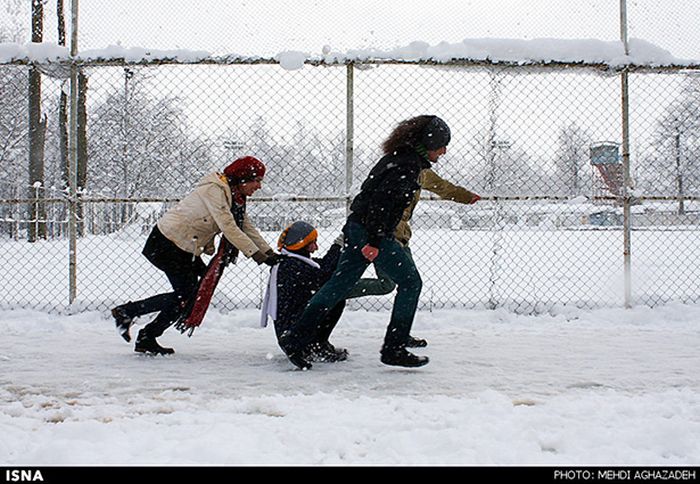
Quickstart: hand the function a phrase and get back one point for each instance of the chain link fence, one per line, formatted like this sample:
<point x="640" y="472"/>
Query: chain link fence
<point x="541" y="144"/>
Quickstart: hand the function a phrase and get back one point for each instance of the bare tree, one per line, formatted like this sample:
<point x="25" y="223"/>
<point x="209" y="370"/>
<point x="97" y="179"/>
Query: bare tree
<point x="492" y="146"/>
<point x="13" y="121"/>
<point x="82" y="145"/>
<point x="516" y="174"/>
<point x="139" y="145"/>
<point x="678" y="135"/>
<point x="572" y="158"/>
<point x="37" y="136"/>
<point x="11" y="14"/>
<point x="63" y="102"/>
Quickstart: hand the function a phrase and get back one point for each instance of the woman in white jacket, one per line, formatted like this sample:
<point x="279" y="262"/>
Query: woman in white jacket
<point x="217" y="205"/>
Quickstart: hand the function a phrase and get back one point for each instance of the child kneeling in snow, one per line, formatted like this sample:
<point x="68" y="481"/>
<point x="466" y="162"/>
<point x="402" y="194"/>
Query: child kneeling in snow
<point x="295" y="280"/>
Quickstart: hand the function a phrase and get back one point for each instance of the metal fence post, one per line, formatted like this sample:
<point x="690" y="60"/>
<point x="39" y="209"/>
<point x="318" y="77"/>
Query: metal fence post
<point x="73" y="161"/>
<point x="349" y="132"/>
<point x="627" y="223"/>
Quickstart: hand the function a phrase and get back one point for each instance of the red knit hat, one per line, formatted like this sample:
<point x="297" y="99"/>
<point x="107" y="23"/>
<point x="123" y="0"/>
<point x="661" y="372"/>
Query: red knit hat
<point x="244" y="170"/>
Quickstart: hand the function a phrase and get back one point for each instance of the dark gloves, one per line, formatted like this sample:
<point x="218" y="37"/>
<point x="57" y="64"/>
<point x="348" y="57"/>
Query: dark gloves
<point x="270" y="258"/>
<point x="273" y="259"/>
<point x="259" y="257"/>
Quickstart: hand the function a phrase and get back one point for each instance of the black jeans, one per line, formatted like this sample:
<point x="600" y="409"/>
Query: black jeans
<point x="182" y="269"/>
<point x="322" y="331"/>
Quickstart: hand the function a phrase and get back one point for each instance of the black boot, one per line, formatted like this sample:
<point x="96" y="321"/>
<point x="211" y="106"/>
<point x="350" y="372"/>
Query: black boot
<point x="298" y="356"/>
<point x="414" y="342"/>
<point x="147" y="344"/>
<point x="123" y="322"/>
<point x="299" y="361"/>
<point x="325" y="352"/>
<point x="400" y="357"/>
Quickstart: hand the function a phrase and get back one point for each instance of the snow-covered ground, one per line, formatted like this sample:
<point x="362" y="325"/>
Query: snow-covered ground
<point x="571" y="387"/>
<point x="529" y="268"/>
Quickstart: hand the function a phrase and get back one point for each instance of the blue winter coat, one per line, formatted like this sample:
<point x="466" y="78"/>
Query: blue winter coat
<point x="297" y="282"/>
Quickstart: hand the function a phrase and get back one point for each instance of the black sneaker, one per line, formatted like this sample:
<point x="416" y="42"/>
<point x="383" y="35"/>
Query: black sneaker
<point x="325" y="352"/>
<point x="414" y="342"/>
<point x="123" y="322"/>
<point x="146" y="344"/>
<point x="401" y="357"/>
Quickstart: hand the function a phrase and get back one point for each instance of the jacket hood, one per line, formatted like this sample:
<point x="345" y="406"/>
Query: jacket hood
<point x="213" y="178"/>
<point x="218" y="179"/>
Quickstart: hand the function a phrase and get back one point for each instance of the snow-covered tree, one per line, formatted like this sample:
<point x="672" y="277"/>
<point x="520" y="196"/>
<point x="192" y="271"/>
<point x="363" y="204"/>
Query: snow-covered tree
<point x="12" y="17"/>
<point x="504" y="168"/>
<point x="309" y="164"/>
<point x="319" y="163"/>
<point x="675" y="167"/>
<point x="572" y="159"/>
<point x="13" y="129"/>
<point x="140" y="145"/>
<point x="516" y="174"/>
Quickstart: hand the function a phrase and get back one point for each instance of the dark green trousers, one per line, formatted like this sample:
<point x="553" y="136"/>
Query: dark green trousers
<point x="392" y="260"/>
<point x="376" y="287"/>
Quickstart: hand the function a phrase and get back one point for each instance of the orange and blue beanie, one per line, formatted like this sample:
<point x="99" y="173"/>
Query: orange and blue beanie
<point x="297" y="236"/>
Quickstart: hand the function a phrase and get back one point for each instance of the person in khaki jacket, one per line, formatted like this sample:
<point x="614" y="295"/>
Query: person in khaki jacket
<point x="184" y="233"/>
<point x="431" y="181"/>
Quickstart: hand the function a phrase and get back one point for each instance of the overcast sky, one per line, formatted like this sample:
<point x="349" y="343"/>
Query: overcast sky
<point x="267" y="28"/>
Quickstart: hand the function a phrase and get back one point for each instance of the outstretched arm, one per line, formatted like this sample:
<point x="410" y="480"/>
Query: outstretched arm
<point x="431" y="181"/>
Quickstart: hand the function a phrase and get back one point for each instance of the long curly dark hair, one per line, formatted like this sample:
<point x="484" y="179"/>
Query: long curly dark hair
<point x="407" y="133"/>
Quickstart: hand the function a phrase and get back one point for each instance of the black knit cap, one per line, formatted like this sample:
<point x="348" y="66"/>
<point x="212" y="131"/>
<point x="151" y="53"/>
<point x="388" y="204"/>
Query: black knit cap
<point x="436" y="134"/>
